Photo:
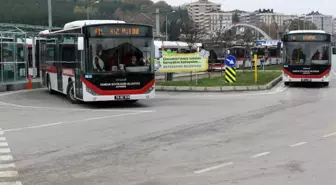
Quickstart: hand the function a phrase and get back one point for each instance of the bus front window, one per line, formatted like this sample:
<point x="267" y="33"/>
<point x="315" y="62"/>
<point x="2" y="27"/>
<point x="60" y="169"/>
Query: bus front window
<point x="121" y="55"/>
<point x="297" y="53"/>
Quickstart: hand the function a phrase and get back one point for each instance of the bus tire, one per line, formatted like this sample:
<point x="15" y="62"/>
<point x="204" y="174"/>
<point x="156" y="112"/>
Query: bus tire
<point x="325" y="84"/>
<point x="71" y="93"/>
<point x="49" y="86"/>
<point x="286" y="83"/>
<point x="131" y="101"/>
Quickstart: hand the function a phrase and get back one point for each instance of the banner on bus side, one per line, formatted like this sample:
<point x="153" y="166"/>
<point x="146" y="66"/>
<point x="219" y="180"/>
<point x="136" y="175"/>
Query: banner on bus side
<point x="182" y="62"/>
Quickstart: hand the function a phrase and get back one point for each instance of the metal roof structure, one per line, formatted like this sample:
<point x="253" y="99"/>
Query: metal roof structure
<point x="29" y="30"/>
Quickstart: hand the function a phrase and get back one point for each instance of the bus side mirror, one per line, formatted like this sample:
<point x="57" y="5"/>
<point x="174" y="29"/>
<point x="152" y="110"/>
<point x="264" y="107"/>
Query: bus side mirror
<point x="334" y="50"/>
<point x="80" y="43"/>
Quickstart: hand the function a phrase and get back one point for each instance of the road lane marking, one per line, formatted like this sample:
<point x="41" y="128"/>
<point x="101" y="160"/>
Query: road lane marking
<point x="4" y="150"/>
<point x="298" y="144"/>
<point x="8" y="173"/>
<point x="7" y="170"/>
<point x="68" y="122"/>
<point x="213" y="167"/>
<point x="260" y="154"/>
<point x="74" y="109"/>
<point x="11" y="165"/>
<point x="11" y="183"/>
<point x="329" y="135"/>
<point x="6" y="158"/>
<point x="2" y="144"/>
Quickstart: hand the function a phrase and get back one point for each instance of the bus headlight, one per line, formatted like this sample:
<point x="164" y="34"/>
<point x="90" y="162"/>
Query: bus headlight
<point x="149" y="90"/>
<point x="326" y="76"/>
<point x="91" y="91"/>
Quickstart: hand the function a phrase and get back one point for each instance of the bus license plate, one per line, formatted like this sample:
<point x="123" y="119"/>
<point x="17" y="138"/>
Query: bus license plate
<point x="306" y="80"/>
<point x="122" y="97"/>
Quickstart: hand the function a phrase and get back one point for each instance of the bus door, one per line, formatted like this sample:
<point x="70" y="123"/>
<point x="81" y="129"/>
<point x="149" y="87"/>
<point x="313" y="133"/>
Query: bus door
<point x="43" y="58"/>
<point x="79" y="65"/>
<point x="333" y="59"/>
<point x="59" y="65"/>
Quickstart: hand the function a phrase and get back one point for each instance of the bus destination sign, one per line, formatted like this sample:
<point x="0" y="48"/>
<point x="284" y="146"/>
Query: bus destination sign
<point x="307" y="37"/>
<point x="120" y="30"/>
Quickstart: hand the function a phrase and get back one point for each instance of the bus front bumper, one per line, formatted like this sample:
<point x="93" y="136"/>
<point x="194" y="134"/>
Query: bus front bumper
<point x="287" y="78"/>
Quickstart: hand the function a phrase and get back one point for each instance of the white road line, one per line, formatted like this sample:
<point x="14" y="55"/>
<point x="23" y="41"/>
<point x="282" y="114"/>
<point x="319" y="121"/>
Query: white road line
<point x="74" y="109"/>
<point x="2" y="144"/>
<point x="4" y="150"/>
<point x="329" y="135"/>
<point x="8" y="173"/>
<point x="11" y="165"/>
<point x="298" y="144"/>
<point x="214" y="167"/>
<point x="11" y="183"/>
<point x="261" y="154"/>
<point x="2" y="139"/>
<point x="67" y="122"/>
<point x="6" y="158"/>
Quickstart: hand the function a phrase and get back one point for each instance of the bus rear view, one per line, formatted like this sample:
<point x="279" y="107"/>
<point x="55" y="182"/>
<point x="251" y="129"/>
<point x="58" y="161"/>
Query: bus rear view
<point x="307" y="56"/>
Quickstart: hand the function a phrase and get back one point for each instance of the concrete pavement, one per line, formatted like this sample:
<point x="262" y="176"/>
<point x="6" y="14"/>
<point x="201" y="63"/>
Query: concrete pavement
<point x="281" y="136"/>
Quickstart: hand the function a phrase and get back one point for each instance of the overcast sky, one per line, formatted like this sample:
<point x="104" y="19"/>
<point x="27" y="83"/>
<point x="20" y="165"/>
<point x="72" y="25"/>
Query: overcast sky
<point x="299" y="7"/>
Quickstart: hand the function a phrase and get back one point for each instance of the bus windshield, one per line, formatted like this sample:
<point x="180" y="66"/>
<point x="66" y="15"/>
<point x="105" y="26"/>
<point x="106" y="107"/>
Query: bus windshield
<point x="121" y="54"/>
<point x="305" y="53"/>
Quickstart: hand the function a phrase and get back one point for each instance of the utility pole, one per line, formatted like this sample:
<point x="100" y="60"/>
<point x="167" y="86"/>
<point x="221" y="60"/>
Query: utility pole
<point x="157" y="22"/>
<point x="50" y="13"/>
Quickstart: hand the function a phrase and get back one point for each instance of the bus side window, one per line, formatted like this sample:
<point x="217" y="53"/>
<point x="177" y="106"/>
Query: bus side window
<point x="334" y="50"/>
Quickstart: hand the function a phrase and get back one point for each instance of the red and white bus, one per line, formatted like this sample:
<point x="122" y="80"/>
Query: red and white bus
<point x="99" y="60"/>
<point x="307" y="56"/>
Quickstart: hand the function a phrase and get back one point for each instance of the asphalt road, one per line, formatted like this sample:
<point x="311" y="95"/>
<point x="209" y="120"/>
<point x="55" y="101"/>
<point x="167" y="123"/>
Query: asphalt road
<point x="283" y="136"/>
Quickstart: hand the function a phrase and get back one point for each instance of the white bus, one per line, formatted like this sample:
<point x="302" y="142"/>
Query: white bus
<point x="307" y="56"/>
<point x="99" y="60"/>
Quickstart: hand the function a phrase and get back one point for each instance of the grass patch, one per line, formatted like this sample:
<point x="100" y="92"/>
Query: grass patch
<point x="243" y="79"/>
<point x="273" y="67"/>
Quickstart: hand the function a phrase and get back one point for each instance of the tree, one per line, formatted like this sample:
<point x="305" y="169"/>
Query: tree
<point x="78" y="10"/>
<point x="235" y="18"/>
<point x="191" y="32"/>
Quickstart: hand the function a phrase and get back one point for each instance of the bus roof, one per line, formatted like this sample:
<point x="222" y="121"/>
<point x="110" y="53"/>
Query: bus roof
<point x="306" y="31"/>
<point x="81" y="23"/>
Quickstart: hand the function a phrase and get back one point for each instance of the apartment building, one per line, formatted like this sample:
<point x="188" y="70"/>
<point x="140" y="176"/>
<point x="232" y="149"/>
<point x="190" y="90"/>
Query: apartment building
<point x="265" y="16"/>
<point x="198" y="9"/>
<point x="334" y="31"/>
<point x="322" y="22"/>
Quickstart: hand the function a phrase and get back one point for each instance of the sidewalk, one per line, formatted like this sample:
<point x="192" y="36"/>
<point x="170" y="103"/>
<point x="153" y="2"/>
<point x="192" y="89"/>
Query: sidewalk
<point x="19" y="85"/>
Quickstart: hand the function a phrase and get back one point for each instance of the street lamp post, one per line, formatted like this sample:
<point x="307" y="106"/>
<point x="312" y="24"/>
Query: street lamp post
<point x="88" y="5"/>
<point x="49" y="13"/>
<point x="169" y="76"/>
<point x="167" y="24"/>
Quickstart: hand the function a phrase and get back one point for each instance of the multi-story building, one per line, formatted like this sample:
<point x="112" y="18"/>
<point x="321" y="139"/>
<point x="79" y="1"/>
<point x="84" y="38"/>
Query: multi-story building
<point x="218" y="20"/>
<point x="265" y="17"/>
<point x="334" y="31"/>
<point x="322" y="22"/>
<point x="196" y="10"/>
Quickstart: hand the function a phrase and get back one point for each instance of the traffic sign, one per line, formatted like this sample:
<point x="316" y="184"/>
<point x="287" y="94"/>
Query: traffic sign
<point x="230" y="61"/>
<point x="230" y="74"/>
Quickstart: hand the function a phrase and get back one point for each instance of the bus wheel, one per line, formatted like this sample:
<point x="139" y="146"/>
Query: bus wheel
<point x="286" y="83"/>
<point x="326" y="84"/>
<point x="71" y="93"/>
<point x="49" y="86"/>
<point x="132" y="101"/>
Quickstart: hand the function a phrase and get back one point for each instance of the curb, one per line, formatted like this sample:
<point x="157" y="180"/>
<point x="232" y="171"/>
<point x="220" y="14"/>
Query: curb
<point x="19" y="86"/>
<point x="268" y="86"/>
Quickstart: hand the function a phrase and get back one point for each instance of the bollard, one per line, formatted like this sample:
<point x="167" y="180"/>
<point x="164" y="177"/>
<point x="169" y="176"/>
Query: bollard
<point x="30" y="83"/>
